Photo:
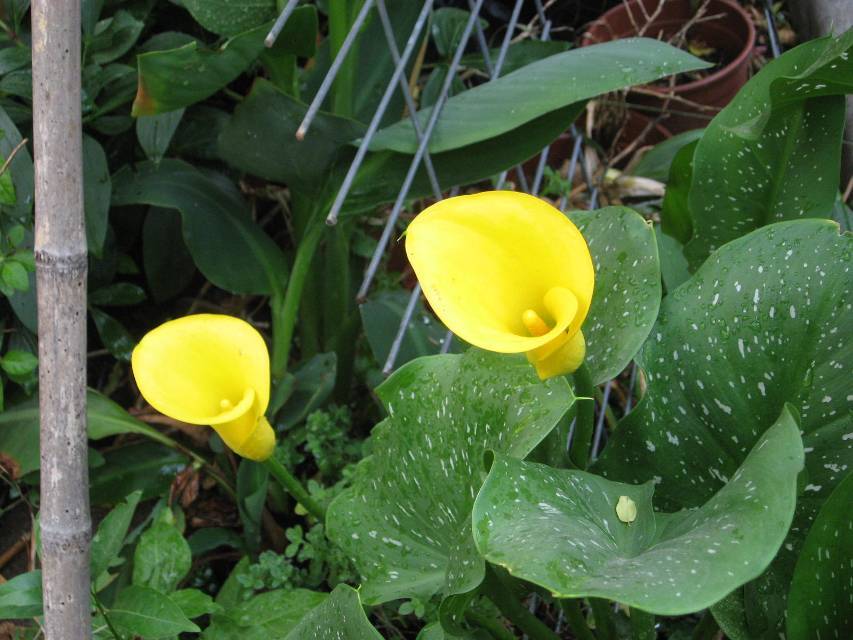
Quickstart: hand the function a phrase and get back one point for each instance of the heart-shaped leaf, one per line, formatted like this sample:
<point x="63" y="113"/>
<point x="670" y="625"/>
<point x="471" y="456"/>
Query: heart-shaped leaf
<point x="765" y="321"/>
<point x="822" y="587"/>
<point x="564" y="529"/>
<point x="627" y="287"/>
<point x="773" y="153"/>
<point x="406" y="521"/>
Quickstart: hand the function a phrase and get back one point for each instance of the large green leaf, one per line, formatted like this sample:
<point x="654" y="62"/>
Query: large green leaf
<point x="381" y="316"/>
<point x="765" y="321"/>
<point x="260" y="138"/>
<point x="145" y="466"/>
<point x="537" y="89"/>
<point x="230" y="17"/>
<point x="168" y="264"/>
<point x="819" y="602"/>
<point x="773" y="153"/>
<point x="406" y="521"/>
<point x="227" y="246"/>
<point x="296" y="614"/>
<point x="21" y="169"/>
<point x="560" y="529"/>
<point x="109" y="538"/>
<point x="19" y="428"/>
<point x="21" y="597"/>
<point x="145" y="612"/>
<point x="96" y="193"/>
<point x="162" y="557"/>
<point x="176" y="78"/>
<point x="627" y="292"/>
<point x="266" y="616"/>
<point x="383" y="172"/>
<point x="339" y="617"/>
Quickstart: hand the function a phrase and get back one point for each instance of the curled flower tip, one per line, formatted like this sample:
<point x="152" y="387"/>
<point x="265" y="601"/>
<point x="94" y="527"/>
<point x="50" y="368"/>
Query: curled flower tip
<point x="506" y="272"/>
<point x="211" y="370"/>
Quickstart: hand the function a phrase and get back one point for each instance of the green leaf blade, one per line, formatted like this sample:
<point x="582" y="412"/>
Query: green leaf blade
<point x="560" y="529"/>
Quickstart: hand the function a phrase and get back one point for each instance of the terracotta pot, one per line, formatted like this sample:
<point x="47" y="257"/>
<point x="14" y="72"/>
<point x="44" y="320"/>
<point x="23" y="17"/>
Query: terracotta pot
<point x="733" y="34"/>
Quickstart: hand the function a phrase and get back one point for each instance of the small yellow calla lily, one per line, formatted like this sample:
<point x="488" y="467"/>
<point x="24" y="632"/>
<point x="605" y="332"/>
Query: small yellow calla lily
<point x="506" y="272"/>
<point x="212" y="370"/>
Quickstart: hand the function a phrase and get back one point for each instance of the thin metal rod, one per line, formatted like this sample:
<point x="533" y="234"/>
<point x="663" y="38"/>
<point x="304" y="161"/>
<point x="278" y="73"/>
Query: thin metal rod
<point x="388" y="367"/>
<point x="448" y="340"/>
<point x="540" y="171"/>
<point x="599" y="426"/>
<point x="61" y="269"/>
<point x="397" y="78"/>
<point x="631" y="385"/>
<point x="484" y="46"/>
<point x="573" y="166"/>
<point x="326" y="85"/>
<point x="283" y="17"/>
<point x="419" y="153"/>
<point x="771" y="29"/>
<point x="510" y="29"/>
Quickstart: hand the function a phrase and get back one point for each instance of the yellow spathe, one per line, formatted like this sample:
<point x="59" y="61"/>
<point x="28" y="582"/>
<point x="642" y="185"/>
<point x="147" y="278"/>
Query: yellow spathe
<point x="212" y="370"/>
<point x="506" y="272"/>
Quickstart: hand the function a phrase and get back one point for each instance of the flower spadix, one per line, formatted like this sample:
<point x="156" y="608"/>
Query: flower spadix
<point x="506" y="272"/>
<point x="212" y="370"/>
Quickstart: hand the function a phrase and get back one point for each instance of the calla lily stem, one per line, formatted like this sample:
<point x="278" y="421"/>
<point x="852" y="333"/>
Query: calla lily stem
<point x="501" y="595"/>
<point x="575" y="619"/>
<point x="284" y="310"/>
<point x="642" y="625"/>
<point x="294" y="488"/>
<point x="584" y="424"/>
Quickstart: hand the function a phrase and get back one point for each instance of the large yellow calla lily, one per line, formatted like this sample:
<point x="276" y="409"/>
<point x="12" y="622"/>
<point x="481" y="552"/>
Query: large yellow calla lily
<point x="506" y="272"/>
<point x="212" y="370"/>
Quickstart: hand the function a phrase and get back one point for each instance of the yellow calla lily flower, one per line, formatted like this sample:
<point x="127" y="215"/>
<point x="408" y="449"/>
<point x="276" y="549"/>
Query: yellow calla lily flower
<point x="506" y="272"/>
<point x="212" y="370"/>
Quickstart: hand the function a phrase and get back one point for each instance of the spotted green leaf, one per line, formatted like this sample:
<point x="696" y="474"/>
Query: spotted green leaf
<point x="819" y="603"/>
<point x="765" y="321"/>
<point x="162" y="557"/>
<point x="406" y="520"/>
<point x="773" y="153"/>
<point x="560" y="529"/>
<point x="340" y="617"/>
<point x="230" y="17"/>
<point x="627" y="287"/>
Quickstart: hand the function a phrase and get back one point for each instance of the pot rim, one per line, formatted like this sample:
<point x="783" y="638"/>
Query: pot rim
<point x="746" y="49"/>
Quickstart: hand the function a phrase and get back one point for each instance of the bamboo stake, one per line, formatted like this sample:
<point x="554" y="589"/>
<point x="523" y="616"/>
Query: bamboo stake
<point x="60" y="253"/>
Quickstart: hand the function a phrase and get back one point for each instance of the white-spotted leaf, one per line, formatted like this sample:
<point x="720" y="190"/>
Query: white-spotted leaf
<point x="561" y="529"/>
<point x="406" y="521"/>
<point x="627" y="292"/>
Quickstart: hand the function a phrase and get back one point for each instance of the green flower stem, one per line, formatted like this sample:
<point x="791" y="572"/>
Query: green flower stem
<point x="290" y="484"/>
<point x="602" y="612"/>
<point x="501" y="595"/>
<point x="707" y="628"/>
<point x="575" y="619"/>
<point x="489" y="624"/>
<point x="584" y="424"/>
<point x="284" y="310"/>
<point x="642" y="625"/>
